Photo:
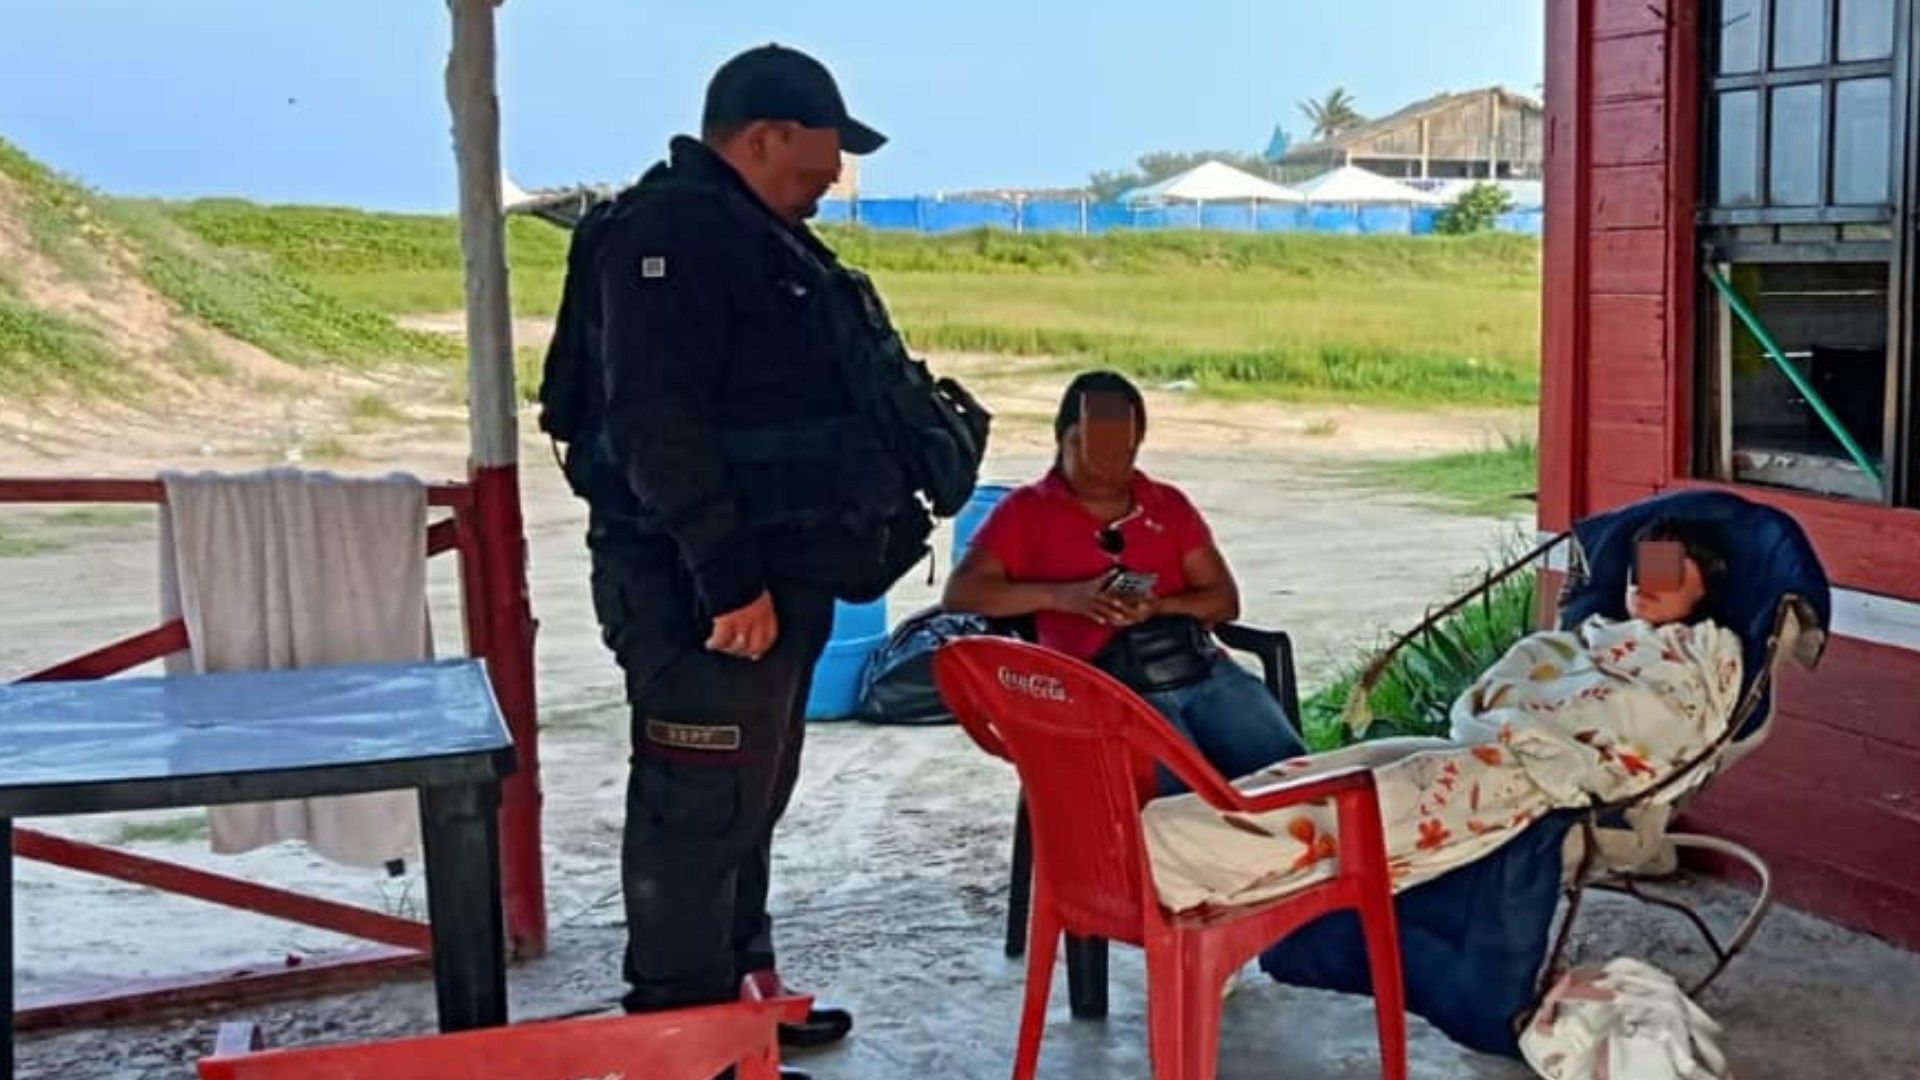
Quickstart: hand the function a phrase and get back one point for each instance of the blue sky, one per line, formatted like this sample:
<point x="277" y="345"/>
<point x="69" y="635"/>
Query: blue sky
<point x="341" y="101"/>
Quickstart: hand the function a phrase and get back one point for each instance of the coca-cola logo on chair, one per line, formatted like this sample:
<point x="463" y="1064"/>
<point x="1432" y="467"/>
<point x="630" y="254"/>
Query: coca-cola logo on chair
<point x="1039" y="687"/>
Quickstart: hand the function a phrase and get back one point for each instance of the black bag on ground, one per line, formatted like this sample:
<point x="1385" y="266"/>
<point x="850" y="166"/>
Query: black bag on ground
<point x="897" y="685"/>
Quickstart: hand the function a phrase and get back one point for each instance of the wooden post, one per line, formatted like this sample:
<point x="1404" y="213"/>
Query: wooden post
<point x="476" y="147"/>
<point x="1426" y="147"/>
<point x="1566" y="259"/>
<point x="494" y="461"/>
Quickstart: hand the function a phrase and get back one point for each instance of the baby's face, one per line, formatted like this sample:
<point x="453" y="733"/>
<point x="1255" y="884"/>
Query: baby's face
<point x="1662" y="606"/>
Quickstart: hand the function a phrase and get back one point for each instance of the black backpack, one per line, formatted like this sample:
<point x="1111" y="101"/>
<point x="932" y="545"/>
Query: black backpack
<point x="570" y="376"/>
<point x="896" y="686"/>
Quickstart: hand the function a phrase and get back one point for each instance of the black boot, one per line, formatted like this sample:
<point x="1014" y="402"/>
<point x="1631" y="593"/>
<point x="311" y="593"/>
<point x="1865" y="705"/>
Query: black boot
<point x="824" y="1024"/>
<point x="821" y="1027"/>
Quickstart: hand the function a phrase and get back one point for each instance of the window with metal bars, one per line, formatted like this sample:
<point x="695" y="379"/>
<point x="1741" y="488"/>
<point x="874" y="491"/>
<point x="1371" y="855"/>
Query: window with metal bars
<point x="1806" y="222"/>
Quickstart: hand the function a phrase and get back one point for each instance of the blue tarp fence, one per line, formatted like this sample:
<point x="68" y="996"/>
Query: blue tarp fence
<point x="928" y="215"/>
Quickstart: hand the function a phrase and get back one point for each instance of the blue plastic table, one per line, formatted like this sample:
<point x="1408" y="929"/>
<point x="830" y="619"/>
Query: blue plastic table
<point x="201" y="740"/>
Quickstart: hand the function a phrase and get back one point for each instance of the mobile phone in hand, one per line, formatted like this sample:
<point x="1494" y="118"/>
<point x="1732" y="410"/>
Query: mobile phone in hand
<point x="1132" y="586"/>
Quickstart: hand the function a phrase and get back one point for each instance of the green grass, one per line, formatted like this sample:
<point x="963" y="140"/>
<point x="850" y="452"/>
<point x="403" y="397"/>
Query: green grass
<point x="528" y="362"/>
<point x="227" y="286"/>
<point x="240" y="292"/>
<point x="1395" y="320"/>
<point x="1490" y="482"/>
<point x="1304" y="256"/>
<point x="14" y="546"/>
<point x="59" y="215"/>
<point x="329" y="448"/>
<point x="101" y="517"/>
<point x="374" y="409"/>
<point x="1414" y="321"/>
<point x="1418" y="689"/>
<point x="41" y="351"/>
<point x="30" y="531"/>
<point x="191" y="352"/>
<point x="389" y="263"/>
<point x="171" y="830"/>
<point x="1399" y="320"/>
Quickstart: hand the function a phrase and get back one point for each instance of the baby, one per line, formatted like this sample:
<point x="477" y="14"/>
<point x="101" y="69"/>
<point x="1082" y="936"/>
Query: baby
<point x="1565" y="718"/>
<point x="1669" y="597"/>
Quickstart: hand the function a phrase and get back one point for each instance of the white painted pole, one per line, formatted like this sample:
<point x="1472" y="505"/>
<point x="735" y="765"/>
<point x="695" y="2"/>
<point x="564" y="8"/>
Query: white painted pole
<point x="504" y="616"/>
<point x="492" y="410"/>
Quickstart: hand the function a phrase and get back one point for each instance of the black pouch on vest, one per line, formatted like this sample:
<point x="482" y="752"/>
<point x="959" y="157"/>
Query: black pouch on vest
<point x="1164" y="653"/>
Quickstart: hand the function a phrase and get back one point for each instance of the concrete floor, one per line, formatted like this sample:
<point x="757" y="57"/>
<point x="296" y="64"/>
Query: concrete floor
<point x="891" y="869"/>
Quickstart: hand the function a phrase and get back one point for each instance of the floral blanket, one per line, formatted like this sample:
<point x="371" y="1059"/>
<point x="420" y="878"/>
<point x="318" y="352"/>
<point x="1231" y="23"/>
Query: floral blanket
<point x="1564" y="718"/>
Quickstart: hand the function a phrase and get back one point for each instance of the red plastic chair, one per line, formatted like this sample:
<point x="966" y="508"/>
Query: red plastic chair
<point x="684" y="1044"/>
<point x="1085" y="748"/>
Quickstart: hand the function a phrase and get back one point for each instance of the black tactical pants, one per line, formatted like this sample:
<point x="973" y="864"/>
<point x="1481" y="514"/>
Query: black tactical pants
<point x="716" y="753"/>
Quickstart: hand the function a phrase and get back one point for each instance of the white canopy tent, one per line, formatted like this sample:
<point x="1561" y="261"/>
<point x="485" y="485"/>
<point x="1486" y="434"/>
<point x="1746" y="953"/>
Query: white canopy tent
<point x="1211" y="182"/>
<point x="1352" y="185"/>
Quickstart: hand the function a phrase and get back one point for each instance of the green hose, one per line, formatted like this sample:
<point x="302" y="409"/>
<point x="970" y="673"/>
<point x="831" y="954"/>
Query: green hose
<point x="1778" y="355"/>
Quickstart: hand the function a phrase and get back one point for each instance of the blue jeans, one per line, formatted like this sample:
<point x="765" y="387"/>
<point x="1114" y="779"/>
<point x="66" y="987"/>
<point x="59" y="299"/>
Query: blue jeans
<point x="1231" y="718"/>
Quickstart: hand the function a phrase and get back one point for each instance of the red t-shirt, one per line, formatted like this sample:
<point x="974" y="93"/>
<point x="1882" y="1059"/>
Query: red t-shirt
<point x="1042" y="534"/>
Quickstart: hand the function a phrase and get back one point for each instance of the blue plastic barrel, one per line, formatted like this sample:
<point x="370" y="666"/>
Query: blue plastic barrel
<point x="967" y="522"/>
<point x="858" y="630"/>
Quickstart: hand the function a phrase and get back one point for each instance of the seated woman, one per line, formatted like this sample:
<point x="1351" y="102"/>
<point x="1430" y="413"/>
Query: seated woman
<point x="1564" y="719"/>
<point x="1055" y="548"/>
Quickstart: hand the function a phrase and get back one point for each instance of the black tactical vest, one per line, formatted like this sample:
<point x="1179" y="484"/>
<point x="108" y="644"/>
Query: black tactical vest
<point x="812" y="475"/>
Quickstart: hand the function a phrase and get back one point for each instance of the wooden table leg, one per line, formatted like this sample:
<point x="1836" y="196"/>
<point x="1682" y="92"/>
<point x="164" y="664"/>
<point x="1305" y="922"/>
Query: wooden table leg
<point x="460" y="826"/>
<point x="6" y="947"/>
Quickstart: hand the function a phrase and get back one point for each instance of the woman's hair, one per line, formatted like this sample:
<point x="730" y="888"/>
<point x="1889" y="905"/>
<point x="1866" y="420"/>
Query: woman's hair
<point x="1702" y="544"/>
<point x="1098" y="382"/>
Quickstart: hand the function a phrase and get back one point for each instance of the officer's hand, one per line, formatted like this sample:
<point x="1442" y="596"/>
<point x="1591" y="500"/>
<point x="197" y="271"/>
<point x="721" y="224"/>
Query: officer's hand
<point x="747" y="632"/>
<point x="1090" y="600"/>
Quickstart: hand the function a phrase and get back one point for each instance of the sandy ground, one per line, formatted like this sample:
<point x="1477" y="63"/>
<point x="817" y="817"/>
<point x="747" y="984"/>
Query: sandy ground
<point x="891" y="868"/>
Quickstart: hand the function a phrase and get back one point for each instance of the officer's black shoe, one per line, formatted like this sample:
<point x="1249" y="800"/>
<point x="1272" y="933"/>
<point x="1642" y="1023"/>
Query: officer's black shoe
<point x="787" y="1072"/>
<point x="821" y="1027"/>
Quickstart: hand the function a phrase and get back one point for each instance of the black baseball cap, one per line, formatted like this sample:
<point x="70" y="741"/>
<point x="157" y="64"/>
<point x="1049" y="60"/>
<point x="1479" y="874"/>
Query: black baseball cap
<point x="774" y="82"/>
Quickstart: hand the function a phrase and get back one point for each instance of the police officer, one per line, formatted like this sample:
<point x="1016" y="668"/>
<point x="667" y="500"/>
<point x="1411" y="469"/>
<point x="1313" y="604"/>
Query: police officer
<point x="734" y="491"/>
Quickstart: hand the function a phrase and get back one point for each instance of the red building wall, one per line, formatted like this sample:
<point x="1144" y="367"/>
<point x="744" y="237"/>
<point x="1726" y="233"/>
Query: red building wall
<point x="1833" y="798"/>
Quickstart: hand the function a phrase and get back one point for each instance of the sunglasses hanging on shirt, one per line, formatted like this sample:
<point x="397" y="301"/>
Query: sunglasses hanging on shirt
<point x="1111" y="539"/>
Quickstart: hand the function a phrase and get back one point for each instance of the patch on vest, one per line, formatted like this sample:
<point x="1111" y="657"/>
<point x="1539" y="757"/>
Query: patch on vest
<point x="653" y="266"/>
<point x="715" y="737"/>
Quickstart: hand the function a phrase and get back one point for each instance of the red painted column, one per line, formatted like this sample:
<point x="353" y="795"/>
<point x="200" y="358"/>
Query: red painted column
<point x="1563" y="419"/>
<point x="510" y="626"/>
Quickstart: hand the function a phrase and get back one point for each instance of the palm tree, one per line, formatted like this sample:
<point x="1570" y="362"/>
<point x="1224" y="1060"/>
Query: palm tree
<point x="1332" y="114"/>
